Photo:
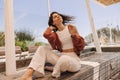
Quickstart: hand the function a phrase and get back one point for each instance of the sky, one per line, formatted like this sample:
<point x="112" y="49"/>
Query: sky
<point x="32" y="15"/>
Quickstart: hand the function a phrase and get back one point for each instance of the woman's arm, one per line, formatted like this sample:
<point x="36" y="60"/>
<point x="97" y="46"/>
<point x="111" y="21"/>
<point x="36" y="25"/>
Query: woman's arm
<point x="78" y="41"/>
<point x="73" y="31"/>
<point x="50" y="36"/>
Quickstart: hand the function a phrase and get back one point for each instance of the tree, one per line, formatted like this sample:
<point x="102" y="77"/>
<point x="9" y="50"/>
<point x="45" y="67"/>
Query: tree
<point x="24" y="36"/>
<point x="21" y="39"/>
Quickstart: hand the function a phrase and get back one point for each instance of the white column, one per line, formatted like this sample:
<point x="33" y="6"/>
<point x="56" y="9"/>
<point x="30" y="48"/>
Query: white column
<point x="110" y="34"/>
<point x="9" y="39"/>
<point x="95" y="35"/>
<point x="48" y="8"/>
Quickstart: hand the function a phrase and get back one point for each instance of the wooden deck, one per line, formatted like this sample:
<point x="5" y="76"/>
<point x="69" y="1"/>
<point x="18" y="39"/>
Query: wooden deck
<point x="109" y="67"/>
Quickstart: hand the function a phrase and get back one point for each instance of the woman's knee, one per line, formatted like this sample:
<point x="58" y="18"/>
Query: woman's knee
<point x="63" y="63"/>
<point x="68" y="64"/>
<point x="64" y="60"/>
<point x="42" y="49"/>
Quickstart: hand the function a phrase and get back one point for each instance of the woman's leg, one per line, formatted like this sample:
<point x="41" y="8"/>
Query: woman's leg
<point x="38" y="61"/>
<point x="66" y="63"/>
<point x="52" y="58"/>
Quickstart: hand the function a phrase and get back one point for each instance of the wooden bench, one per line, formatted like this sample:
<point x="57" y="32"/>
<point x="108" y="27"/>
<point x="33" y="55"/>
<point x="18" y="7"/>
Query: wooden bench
<point x="84" y="73"/>
<point x="17" y="51"/>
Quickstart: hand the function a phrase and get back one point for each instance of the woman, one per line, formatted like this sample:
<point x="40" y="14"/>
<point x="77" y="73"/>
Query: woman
<point x="63" y="38"/>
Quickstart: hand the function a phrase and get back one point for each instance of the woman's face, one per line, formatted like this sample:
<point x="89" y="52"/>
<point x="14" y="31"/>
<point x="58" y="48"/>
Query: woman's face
<point x="57" y="19"/>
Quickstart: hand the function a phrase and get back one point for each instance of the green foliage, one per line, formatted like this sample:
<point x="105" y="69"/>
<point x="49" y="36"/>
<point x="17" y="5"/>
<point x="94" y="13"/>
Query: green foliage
<point x="22" y="44"/>
<point x="23" y="38"/>
<point x="2" y="39"/>
<point x="37" y="43"/>
<point x="40" y="43"/>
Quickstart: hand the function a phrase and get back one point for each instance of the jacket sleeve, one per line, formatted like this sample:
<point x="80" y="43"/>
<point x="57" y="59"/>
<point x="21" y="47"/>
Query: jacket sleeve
<point x="78" y="42"/>
<point x="50" y="36"/>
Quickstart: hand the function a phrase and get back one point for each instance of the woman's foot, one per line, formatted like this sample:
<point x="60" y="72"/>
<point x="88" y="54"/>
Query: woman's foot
<point x="55" y="75"/>
<point x="27" y="75"/>
<point x="38" y="74"/>
<point x="25" y="78"/>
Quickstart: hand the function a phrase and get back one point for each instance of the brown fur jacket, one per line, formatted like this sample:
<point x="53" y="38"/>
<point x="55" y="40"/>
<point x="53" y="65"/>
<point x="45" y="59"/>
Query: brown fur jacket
<point x="52" y="37"/>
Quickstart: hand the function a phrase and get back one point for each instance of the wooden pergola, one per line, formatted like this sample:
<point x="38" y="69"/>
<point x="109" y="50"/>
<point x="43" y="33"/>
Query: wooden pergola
<point x="107" y="2"/>
<point x="95" y="35"/>
<point x="9" y="33"/>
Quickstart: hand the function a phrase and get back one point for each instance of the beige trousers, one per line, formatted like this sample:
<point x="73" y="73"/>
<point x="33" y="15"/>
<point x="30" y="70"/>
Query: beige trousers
<point x="64" y="62"/>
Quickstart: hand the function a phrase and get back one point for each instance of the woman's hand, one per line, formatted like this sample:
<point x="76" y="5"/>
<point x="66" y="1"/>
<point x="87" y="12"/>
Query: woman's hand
<point x="52" y="28"/>
<point x="73" y="30"/>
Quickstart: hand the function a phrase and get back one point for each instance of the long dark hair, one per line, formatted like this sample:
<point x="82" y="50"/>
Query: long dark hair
<point x="66" y="19"/>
